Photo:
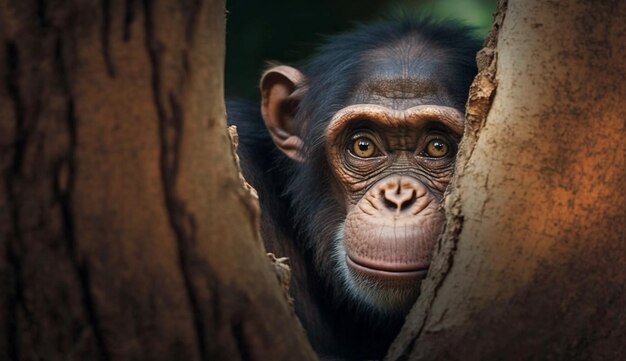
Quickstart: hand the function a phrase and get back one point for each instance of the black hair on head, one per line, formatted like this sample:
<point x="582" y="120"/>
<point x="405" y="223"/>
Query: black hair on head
<point x="333" y="73"/>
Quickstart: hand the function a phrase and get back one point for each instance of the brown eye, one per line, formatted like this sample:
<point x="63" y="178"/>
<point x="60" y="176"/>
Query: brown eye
<point x="437" y="148"/>
<point x="363" y="147"/>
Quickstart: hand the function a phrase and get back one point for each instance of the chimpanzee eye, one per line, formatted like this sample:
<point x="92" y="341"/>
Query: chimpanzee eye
<point x="437" y="148"/>
<point x="363" y="147"/>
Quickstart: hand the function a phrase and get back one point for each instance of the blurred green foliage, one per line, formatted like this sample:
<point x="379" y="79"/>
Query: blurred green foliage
<point x="289" y="30"/>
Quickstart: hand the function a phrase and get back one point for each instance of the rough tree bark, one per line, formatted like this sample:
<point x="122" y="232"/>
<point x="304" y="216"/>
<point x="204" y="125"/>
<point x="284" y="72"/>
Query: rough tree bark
<point x="125" y="231"/>
<point x="531" y="265"/>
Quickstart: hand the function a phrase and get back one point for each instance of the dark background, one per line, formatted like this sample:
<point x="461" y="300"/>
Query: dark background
<point x="290" y="30"/>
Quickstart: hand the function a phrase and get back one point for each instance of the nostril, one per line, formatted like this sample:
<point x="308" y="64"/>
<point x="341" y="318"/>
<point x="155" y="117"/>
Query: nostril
<point x="398" y="199"/>
<point x="388" y="203"/>
<point x="409" y="202"/>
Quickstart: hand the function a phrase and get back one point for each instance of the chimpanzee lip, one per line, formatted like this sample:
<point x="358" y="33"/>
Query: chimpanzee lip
<point x="397" y="271"/>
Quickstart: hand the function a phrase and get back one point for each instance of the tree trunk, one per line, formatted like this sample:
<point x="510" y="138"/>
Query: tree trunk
<point x="531" y="265"/>
<point x="126" y="233"/>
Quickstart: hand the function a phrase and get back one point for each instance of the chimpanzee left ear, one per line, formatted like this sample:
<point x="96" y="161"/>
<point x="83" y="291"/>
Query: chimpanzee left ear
<point x="280" y="99"/>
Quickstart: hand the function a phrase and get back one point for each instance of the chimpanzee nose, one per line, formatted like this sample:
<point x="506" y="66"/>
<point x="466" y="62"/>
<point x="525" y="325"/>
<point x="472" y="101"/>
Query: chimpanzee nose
<point x="398" y="195"/>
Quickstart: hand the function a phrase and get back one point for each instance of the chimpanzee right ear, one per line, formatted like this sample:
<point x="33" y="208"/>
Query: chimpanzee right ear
<point x="280" y="100"/>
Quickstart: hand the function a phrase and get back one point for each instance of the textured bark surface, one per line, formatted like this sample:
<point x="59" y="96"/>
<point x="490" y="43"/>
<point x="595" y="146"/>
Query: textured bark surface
<point x="531" y="265"/>
<point x="126" y="233"/>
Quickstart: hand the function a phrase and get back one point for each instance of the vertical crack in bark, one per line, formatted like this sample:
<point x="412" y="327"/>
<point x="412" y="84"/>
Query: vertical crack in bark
<point x="193" y="10"/>
<point x="129" y="18"/>
<point x="41" y="13"/>
<point x="170" y="132"/>
<point x="64" y="197"/>
<point x="18" y="108"/>
<point x="14" y="299"/>
<point x="105" y="34"/>
<point x="16" y="295"/>
<point x="240" y="339"/>
<point x="64" y="183"/>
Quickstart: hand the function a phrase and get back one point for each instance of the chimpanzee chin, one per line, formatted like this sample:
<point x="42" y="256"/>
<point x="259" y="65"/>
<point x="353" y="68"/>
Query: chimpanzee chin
<point x="351" y="152"/>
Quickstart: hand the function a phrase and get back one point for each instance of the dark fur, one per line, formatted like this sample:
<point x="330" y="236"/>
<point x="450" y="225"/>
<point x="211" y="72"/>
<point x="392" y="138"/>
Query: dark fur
<point x="301" y="208"/>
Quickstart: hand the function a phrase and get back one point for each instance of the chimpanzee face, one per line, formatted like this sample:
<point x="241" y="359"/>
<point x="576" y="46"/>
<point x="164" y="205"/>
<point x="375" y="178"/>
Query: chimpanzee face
<point x="391" y="149"/>
<point x="393" y="166"/>
<point x="393" y="152"/>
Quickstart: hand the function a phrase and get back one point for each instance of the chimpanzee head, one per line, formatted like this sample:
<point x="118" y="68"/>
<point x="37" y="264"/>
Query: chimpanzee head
<point x="371" y="126"/>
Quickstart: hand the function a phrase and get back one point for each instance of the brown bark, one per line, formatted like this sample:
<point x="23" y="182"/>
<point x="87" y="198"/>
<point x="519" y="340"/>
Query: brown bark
<point x="531" y="265"/>
<point x="126" y="233"/>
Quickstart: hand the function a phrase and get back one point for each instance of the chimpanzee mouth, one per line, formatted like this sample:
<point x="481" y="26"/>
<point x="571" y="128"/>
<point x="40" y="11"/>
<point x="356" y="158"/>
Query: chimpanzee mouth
<point x="404" y="272"/>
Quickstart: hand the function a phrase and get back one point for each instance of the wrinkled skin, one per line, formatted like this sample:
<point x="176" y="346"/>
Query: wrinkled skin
<point x="392" y="197"/>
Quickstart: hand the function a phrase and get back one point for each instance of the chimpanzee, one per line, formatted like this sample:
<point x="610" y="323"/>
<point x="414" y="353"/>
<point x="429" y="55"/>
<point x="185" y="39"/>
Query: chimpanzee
<point x="351" y="156"/>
